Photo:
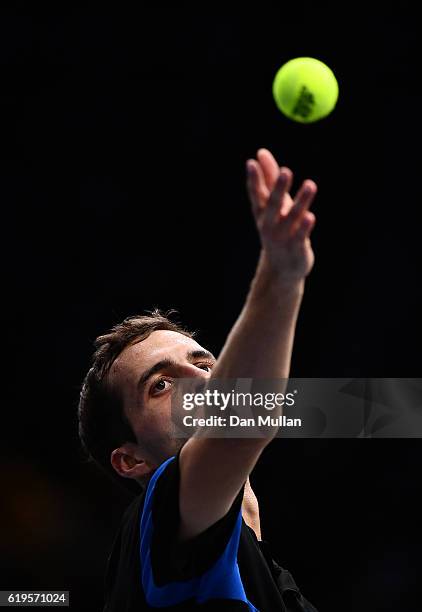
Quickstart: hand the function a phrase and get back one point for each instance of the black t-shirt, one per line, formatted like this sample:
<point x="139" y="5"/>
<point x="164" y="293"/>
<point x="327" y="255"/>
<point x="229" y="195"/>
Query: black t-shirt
<point x="224" y="568"/>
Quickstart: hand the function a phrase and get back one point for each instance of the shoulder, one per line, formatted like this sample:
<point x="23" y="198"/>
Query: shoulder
<point x="170" y="558"/>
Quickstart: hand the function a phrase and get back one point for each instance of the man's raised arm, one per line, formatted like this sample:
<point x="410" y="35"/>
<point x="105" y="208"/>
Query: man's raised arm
<point x="213" y="470"/>
<point x="261" y="341"/>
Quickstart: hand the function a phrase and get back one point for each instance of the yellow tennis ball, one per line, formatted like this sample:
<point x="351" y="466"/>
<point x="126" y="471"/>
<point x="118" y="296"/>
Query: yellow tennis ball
<point x="305" y="89"/>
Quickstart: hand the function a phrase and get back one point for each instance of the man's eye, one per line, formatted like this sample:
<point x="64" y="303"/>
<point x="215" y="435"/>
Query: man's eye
<point x="206" y="366"/>
<point x="160" y="385"/>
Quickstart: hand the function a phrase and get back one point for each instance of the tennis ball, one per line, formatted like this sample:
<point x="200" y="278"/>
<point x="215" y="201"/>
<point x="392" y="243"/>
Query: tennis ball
<point x="305" y="89"/>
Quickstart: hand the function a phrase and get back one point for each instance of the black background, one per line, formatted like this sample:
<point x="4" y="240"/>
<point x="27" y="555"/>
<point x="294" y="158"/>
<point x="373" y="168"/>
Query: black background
<point x="124" y="138"/>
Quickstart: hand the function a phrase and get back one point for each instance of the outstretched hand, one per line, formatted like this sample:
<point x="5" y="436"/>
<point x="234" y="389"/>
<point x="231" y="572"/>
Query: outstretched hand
<point x="284" y="223"/>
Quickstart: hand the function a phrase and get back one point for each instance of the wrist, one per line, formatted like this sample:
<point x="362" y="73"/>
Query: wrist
<point x="270" y="279"/>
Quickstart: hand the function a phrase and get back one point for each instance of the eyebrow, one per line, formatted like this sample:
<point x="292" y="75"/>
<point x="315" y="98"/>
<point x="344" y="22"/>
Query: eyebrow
<point x="169" y="363"/>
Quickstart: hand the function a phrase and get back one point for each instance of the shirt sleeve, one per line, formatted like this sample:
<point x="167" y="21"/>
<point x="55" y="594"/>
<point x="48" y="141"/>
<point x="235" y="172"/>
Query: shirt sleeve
<point x="172" y="560"/>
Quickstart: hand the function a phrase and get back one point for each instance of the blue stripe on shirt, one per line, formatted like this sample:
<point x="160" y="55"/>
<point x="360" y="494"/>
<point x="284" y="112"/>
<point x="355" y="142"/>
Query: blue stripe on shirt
<point x="221" y="581"/>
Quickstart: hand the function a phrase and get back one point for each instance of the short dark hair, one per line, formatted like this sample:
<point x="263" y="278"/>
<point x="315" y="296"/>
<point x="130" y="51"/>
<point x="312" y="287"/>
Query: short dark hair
<point x="103" y="426"/>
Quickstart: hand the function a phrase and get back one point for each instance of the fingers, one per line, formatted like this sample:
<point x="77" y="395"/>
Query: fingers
<point x="271" y="172"/>
<point x="305" y="227"/>
<point x="301" y="203"/>
<point x="268" y="187"/>
<point x="269" y="167"/>
<point x="263" y="176"/>
<point x="257" y="189"/>
<point x="276" y="199"/>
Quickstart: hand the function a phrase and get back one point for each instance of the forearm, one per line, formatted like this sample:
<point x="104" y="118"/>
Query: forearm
<point x="260" y="343"/>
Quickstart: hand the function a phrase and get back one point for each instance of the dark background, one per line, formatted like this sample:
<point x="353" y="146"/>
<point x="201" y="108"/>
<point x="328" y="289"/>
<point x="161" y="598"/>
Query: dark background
<point x="124" y="138"/>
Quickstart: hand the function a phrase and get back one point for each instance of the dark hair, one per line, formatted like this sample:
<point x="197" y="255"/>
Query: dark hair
<point x="103" y="426"/>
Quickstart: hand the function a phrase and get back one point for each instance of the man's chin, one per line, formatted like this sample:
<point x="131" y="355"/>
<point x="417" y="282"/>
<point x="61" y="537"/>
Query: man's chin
<point x="164" y="448"/>
<point x="177" y="445"/>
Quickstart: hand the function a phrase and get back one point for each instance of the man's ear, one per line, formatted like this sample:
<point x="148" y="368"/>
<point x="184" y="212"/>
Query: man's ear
<point x="128" y="462"/>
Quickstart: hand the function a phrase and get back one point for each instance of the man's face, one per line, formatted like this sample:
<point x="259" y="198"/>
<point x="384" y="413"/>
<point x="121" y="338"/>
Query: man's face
<point x="144" y="373"/>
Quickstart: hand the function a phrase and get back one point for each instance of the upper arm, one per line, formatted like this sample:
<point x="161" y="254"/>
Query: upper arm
<point x="212" y="472"/>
